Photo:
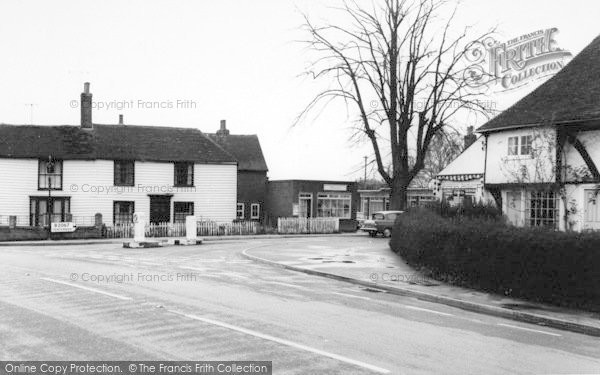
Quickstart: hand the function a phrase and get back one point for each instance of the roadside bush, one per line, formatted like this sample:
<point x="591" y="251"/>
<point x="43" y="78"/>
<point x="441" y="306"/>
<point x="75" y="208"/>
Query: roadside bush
<point x="487" y="254"/>
<point x="468" y="209"/>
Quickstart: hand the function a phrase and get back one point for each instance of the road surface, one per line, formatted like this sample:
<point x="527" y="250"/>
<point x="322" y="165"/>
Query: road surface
<point x="103" y="302"/>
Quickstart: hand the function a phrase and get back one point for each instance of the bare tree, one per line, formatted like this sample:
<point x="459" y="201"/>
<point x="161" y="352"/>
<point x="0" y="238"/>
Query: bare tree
<point x="402" y="67"/>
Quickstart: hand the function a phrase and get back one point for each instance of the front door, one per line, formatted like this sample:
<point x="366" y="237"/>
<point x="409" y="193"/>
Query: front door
<point x="591" y="210"/>
<point x="514" y="208"/>
<point x="160" y="209"/>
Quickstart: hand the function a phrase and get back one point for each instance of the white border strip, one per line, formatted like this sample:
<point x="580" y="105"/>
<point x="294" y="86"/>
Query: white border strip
<point x="529" y="329"/>
<point x="86" y="288"/>
<point x="284" y="342"/>
<point x="426" y="310"/>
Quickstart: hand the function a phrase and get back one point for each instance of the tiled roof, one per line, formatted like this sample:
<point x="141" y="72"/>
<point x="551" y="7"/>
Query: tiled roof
<point x="112" y="142"/>
<point x="571" y="96"/>
<point x="245" y="148"/>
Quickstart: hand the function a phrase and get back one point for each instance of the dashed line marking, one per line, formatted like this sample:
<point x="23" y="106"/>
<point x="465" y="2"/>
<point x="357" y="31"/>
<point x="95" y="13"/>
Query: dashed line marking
<point x="284" y="342"/>
<point x="352" y="296"/>
<point x="529" y="329"/>
<point x="426" y="310"/>
<point x="87" y="288"/>
<point x="286" y="284"/>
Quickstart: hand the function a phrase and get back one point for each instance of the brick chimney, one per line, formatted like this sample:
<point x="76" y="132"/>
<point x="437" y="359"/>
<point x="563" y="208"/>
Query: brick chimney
<point x="121" y="120"/>
<point x="470" y="138"/>
<point x="222" y="132"/>
<point x="86" y="107"/>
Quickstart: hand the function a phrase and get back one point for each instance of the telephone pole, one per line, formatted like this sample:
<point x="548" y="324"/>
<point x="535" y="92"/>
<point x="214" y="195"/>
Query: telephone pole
<point x="365" y="179"/>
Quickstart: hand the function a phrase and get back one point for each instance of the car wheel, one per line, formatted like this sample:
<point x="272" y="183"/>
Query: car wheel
<point x="387" y="232"/>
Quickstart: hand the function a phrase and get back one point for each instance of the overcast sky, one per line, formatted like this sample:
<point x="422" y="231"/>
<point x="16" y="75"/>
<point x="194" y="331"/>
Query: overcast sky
<point x="234" y="60"/>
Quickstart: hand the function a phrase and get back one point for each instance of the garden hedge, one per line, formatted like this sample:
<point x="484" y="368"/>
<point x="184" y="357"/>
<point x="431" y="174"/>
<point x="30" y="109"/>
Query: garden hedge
<point x="537" y="264"/>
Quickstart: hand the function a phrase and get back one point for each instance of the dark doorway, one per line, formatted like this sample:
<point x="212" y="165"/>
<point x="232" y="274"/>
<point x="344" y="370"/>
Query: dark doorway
<point x="160" y="209"/>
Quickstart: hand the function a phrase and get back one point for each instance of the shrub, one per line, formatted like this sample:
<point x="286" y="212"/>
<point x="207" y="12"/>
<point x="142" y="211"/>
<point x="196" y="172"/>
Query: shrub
<point x="487" y="254"/>
<point x="468" y="209"/>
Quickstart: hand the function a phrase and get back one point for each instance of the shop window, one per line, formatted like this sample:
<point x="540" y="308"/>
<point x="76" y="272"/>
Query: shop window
<point x="333" y="205"/>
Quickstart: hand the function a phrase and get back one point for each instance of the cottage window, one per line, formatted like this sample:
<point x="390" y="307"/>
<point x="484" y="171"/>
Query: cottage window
<point x="526" y="144"/>
<point x="333" y="205"/>
<point x="513" y="145"/>
<point x="39" y="207"/>
<point x="254" y="211"/>
<point x="50" y="174"/>
<point x="124" y="173"/>
<point x="184" y="174"/>
<point x="123" y="212"/>
<point x="239" y="212"/>
<point x="181" y="210"/>
<point x="542" y="209"/>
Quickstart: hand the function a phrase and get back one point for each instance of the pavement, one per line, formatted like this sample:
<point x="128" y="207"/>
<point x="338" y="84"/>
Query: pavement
<point x="375" y="266"/>
<point x="100" y="241"/>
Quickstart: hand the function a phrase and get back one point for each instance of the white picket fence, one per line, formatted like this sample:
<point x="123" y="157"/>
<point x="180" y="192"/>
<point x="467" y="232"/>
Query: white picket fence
<point x="203" y="229"/>
<point x="298" y="225"/>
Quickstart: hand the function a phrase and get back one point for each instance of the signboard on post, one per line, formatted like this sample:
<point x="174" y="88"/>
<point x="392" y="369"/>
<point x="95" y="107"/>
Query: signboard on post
<point x="63" y="227"/>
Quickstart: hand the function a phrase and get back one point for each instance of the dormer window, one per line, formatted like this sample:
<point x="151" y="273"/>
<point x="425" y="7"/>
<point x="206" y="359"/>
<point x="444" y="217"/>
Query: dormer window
<point x="50" y="174"/>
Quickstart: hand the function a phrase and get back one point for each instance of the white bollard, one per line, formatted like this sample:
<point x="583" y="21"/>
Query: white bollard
<point x="139" y="222"/>
<point x="191" y="229"/>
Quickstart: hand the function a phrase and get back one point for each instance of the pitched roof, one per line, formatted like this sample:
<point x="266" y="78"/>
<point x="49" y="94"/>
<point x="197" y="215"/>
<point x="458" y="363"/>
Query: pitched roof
<point x="113" y="142"/>
<point x="572" y="95"/>
<point x="245" y="148"/>
<point x="470" y="162"/>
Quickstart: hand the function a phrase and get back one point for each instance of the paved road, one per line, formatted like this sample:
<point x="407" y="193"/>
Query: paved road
<point x="209" y="303"/>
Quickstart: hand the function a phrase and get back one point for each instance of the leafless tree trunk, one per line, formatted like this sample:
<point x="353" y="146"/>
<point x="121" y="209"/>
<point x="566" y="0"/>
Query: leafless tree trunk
<point x="402" y="66"/>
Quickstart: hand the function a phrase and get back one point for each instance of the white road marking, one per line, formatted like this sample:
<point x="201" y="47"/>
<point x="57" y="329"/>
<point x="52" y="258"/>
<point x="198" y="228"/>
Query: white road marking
<point x="352" y="296"/>
<point x="286" y="284"/>
<point x="284" y="342"/>
<point x="202" y="270"/>
<point x="426" y="310"/>
<point x="86" y="288"/>
<point x="529" y="329"/>
<point x="152" y="263"/>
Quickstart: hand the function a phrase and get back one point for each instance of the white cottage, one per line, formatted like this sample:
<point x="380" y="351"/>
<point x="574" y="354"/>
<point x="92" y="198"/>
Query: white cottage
<point x="73" y="172"/>
<point x="462" y="179"/>
<point x="542" y="154"/>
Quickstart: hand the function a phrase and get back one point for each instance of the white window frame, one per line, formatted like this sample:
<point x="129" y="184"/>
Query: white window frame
<point x="522" y="146"/>
<point x="513" y="149"/>
<point x="252" y="207"/>
<point x="527" y="142"/>
<point x="240" y="208"/>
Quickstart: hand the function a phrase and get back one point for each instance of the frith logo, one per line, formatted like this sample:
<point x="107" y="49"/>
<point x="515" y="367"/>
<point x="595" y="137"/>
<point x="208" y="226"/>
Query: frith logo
<point x="515" y="63"/>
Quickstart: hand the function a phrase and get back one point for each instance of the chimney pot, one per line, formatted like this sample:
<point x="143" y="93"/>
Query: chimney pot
<point x="86" y="87"/>
<point x="121" y="120"/>
<point x="223" y="124"/>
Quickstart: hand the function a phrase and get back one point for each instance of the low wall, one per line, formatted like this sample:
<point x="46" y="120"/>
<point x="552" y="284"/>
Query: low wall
<point x="37" y="233"/>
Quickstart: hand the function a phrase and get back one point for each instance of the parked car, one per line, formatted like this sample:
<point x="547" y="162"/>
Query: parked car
<point x="381" y="222"/>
